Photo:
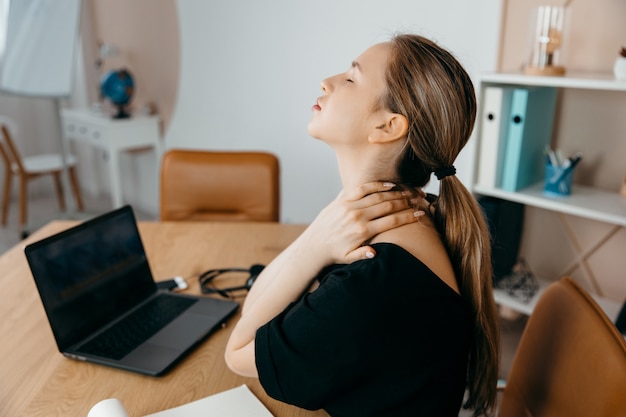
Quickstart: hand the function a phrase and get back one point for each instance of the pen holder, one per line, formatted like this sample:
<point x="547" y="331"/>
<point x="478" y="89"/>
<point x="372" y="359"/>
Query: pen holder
<point x="558" y="181"/>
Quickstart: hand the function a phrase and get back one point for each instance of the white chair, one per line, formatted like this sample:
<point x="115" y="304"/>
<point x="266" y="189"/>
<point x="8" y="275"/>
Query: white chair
<point x="27" y="168"/>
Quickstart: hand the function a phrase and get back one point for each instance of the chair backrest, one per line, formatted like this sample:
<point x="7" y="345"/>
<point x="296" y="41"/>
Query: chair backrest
<point x="8" y="151"/>
<point x="571" y="360"/>
<point x="219" y="186"/>
<point x="4" y="150"/>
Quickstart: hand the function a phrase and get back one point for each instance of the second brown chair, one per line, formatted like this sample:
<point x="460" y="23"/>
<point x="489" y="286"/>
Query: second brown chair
<point x="571" y="360"/>
<point x="199" y="185"/>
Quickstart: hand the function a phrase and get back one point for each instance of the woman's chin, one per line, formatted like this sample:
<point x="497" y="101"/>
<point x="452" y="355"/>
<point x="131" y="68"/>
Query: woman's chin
<point x="313" y="132"/>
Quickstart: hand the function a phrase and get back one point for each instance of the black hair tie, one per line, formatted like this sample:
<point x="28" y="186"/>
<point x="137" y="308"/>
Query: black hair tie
<point x="441" y="173"/>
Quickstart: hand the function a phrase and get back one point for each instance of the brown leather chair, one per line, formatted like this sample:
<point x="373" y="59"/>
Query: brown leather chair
<point x="570" y="362"/>
<point x="219" y="186"/>
<point x="28" y="168"/>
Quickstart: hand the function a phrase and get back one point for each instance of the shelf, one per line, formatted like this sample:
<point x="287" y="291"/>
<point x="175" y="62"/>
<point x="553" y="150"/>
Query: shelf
<point x="594" y="81"/>
<point x="587" y="202"/>
<point x="502" y="297"/>
<point x="592" y="203"/>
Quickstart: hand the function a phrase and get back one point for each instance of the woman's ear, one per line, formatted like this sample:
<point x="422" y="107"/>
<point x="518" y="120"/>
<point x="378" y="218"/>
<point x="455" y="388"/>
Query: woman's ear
<point x="395" y="126"/>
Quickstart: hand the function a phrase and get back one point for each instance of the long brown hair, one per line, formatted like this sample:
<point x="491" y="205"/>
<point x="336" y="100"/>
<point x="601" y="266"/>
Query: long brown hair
<point x="427" y="85"/>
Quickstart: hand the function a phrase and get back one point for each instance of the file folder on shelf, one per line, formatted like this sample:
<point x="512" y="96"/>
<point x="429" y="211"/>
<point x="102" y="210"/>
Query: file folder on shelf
<point x="496" y="108"/>
<point x="529" y="132"/>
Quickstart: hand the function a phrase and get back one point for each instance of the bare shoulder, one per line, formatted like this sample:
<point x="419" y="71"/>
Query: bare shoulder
<point x="422" y="240"/>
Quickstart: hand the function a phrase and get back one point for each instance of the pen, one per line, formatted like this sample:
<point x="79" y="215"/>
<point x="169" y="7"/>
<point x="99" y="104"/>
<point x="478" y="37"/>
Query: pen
<point x="559" y="157"/>
<point x="550" y="157"/>
<point x="568" y="167"/>
<point x="574" y="160"/>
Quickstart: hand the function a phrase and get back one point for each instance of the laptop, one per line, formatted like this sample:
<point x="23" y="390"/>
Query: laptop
<point x="103" y="304"/>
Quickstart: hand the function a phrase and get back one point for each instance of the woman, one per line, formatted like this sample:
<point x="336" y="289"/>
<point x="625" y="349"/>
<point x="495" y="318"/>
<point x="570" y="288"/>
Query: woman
<point x="377" y="309"/>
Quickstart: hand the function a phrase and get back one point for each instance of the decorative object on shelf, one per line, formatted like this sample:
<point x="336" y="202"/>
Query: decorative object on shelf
<point x="559" y="173"/>
<point x="619" y="69"/>
<point x="105" y="50"/>
<point x="118" y="86"/>
<point x="150" y="109"/>
<point x="521" y="283"/>
<point x="548" y="40"/>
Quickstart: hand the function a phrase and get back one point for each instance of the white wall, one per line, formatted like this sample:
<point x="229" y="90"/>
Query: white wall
<point x="251" y="71"/>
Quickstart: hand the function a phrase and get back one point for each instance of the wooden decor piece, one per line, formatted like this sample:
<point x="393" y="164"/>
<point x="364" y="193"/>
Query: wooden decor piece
<point x="547" y="40"/>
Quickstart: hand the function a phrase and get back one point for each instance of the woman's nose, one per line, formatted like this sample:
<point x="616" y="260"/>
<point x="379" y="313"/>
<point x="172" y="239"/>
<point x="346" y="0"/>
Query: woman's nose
<point x="326" y="85"/>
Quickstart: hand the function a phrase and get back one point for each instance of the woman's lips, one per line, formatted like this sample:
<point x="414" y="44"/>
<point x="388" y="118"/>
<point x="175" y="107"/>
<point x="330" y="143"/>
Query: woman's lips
<point x="316" y="106"/>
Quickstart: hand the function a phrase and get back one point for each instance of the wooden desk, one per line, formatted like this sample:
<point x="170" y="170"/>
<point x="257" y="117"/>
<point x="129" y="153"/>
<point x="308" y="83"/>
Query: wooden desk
<point x="36" y="380"/>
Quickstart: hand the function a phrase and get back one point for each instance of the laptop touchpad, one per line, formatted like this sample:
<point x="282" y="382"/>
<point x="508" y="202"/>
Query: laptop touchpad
<point x="183" y="331"/>
<point x="150" y="357"/>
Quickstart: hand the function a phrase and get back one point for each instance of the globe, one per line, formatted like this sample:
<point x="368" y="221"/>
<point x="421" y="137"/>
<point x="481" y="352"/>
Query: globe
<point x="118" y="86"/>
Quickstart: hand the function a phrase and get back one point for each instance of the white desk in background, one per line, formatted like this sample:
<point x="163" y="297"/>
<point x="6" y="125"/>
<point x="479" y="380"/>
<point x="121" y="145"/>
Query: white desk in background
<point x="112" y="135"/>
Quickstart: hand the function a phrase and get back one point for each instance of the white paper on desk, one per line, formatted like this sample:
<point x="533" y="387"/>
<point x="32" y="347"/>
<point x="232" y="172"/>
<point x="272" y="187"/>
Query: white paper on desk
<point x="236" y="402"/>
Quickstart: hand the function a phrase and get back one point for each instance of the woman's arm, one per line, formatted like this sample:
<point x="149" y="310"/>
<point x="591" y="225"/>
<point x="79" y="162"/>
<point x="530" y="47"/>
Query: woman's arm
<point x="337" y="235"/>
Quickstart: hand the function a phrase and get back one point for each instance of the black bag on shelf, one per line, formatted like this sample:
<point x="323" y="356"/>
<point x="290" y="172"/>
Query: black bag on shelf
<point x="505" y="220"/>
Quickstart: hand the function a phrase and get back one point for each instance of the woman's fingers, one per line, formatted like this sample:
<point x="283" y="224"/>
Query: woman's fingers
<point x="362" y="252"/>
<point x="389" y="207"/>
<point x="391" y="221"/>
<point x="371" y="188"/>
<point x="384" y="203"/>
<point x="359" y="214"/>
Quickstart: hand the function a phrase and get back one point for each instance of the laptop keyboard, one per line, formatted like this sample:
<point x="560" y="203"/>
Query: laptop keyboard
<point x="120" y="339"/>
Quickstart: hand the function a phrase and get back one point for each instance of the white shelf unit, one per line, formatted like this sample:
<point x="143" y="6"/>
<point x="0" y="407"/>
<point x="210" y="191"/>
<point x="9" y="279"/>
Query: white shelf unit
<point x="586" y="202"/>
<point x="590" y="81"/>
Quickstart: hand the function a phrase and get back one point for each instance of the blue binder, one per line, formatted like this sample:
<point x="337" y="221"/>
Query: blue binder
<point x="529" y="132"/>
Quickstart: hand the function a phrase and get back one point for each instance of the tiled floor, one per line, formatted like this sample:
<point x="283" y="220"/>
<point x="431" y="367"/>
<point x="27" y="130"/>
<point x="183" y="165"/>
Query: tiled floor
<point x="42" y="210"/>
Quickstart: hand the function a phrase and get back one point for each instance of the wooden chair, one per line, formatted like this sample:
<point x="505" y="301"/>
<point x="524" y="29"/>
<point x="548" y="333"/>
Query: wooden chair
<point x="27" y="168"/>
<point x="219" y="186"/>
<point x="571" y="360"/>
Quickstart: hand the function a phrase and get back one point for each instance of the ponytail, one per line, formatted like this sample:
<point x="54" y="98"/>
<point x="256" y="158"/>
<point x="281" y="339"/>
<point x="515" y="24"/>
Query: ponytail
<point x="461" y="222"/>
<point x="427" y="85"/>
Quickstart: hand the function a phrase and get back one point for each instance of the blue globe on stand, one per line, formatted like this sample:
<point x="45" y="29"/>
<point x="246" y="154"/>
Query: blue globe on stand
<point x="118" y="86"/>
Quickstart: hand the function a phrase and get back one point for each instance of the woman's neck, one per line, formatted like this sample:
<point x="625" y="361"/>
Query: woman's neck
<point x="370" y="164"/>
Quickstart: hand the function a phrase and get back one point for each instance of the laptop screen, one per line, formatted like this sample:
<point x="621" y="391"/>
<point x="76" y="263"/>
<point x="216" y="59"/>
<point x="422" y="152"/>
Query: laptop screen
<point x="90" y="274"/>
